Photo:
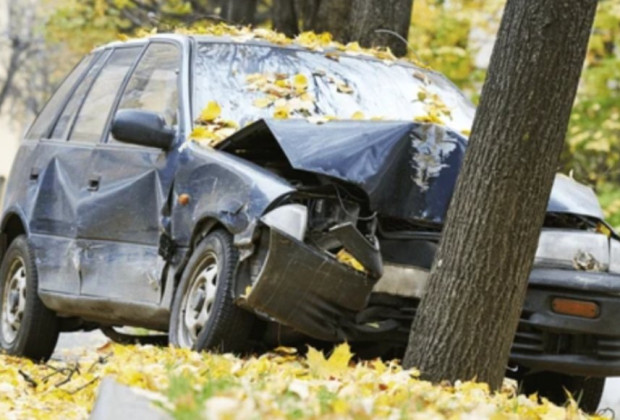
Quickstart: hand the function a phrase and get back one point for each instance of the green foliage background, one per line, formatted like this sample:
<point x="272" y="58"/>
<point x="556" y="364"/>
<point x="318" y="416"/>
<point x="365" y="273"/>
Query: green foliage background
<point x="453" y="37"/>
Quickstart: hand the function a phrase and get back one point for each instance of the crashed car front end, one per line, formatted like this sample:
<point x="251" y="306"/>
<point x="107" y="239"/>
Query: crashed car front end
<point x="320" y="253"/>
<point x="345" y="253"/>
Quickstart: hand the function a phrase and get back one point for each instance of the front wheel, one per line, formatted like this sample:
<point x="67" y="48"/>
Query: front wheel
<point x="27" y="327"/>
<point x="587" y="391"/>
<point x="203" y="315"/>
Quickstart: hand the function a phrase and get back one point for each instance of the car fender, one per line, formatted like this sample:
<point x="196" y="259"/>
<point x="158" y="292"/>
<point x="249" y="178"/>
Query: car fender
<point x="219" y="187"/>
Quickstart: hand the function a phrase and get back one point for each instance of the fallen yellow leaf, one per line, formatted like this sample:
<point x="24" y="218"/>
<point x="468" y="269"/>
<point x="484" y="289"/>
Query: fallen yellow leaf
<point x="211" y="112"/>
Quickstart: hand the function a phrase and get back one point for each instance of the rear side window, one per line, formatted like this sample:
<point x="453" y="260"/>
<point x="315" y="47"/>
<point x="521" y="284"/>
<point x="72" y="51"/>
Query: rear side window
<point x="99" y="100"/>
<point x="43" y="122"/>
<point x="154" y="84"/>
<point x="65" y="121"/>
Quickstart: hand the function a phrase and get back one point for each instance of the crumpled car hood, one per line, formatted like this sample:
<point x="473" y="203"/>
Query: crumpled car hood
<point x="407" y="169"/>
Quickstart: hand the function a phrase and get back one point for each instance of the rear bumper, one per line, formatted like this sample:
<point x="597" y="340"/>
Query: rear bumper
<point x="546" y="340"/>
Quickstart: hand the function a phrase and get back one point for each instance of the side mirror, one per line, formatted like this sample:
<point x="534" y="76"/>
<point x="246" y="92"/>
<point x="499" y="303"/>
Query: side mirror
<point x="143" y="128"/>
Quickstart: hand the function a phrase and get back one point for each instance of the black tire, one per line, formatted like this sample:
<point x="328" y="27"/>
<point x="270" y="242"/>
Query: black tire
<point x="587" y="391"/>
<point x="35" y="333"/>
<point x="227" y="327"/>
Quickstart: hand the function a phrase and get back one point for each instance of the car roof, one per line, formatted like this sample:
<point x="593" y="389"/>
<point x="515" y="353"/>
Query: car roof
<point x="228" y="39"/>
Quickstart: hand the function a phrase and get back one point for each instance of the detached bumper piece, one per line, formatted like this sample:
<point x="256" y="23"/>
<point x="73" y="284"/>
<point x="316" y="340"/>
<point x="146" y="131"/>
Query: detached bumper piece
<point x="586" y="344"/>
<point x="307" y="289"/>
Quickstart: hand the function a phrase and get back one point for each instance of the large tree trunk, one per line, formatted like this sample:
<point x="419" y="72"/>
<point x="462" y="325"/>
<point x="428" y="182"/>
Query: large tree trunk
<point x="466" y="321"/>
<point x="371" y="20"/>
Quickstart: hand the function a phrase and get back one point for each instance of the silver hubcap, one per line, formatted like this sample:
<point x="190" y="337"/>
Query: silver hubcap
<point x="14" y="300"/>
<point x="198" y="302"/>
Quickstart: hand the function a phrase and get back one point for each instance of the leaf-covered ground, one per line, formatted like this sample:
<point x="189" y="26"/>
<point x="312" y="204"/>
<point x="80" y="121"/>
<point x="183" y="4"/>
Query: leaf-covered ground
<point x="276" y="385"/>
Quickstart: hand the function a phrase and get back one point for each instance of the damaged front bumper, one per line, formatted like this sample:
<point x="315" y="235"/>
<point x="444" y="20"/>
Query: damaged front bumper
<point x="307" y="289"/>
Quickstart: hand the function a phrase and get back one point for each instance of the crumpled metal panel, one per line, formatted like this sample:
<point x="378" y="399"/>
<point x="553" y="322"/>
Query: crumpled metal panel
<point x="569" y="196"/>
<point x="408" y="170"/>
<point x="307" y="289"/>
<point x="224" y="188"/>
<point x="61" y="174"/>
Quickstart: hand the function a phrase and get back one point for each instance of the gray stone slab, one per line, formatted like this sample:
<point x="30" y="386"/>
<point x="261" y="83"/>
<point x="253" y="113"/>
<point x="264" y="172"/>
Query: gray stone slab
<point x="120" y="402"/>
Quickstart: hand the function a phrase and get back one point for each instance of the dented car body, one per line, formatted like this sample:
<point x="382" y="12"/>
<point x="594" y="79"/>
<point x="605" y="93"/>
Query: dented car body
<point x="326" y="227"/>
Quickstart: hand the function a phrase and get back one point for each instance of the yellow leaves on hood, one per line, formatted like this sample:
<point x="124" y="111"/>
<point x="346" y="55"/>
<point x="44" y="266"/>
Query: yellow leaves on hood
<point x="435" y="108"/>
<point x="334" y="366"/>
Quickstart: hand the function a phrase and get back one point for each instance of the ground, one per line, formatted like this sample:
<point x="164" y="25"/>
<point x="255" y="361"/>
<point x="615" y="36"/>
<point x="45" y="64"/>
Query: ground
<point x="94" y="340"/>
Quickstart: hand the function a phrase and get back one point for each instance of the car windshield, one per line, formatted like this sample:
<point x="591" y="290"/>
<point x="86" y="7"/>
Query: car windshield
<point x="249" y="82"/>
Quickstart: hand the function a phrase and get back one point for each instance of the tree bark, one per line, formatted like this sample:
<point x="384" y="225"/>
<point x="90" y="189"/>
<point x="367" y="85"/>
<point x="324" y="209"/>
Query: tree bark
<point x="239" y="11"/>
<point x="467" y="319"/>
<point x="332" y="16"/>
<point x="370" y="16"/>
<point x="285" y="17"/>
<point x="307" y="10"/>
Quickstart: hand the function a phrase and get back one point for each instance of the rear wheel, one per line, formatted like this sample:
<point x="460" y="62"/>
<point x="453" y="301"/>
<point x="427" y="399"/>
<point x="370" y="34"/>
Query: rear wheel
<point x="27" y="327"/>
<point x="587" y="391"/>
<point x="204" y="316"/>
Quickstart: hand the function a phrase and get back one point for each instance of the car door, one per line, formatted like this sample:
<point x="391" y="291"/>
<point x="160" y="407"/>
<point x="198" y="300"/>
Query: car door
<point x="130" y="187"/>
<point x="55" y="173"/>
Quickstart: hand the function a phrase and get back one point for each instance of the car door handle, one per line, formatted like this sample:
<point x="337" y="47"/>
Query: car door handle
<point x="93" y="184"/>
<point x="34" y="174"/>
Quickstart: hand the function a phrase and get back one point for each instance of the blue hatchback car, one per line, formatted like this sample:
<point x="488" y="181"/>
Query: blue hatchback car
<point x="231" y="195"/>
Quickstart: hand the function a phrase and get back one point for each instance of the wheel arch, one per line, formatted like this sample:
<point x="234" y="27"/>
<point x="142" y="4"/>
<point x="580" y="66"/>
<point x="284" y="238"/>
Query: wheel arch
<point x="12" y="226"/>
<point x="202" y="228"/>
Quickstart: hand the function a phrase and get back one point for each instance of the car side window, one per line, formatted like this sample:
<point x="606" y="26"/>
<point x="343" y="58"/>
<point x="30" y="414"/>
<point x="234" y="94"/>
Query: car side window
<point x="153" y="86"/>
<point x="93" y="115"/>
<point x="64" y="122"/>
<point x="45" y="118"/>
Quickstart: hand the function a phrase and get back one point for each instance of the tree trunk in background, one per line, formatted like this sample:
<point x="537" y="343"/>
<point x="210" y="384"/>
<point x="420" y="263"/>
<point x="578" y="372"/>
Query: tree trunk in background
<point x="239" y="11"/>
<point x="333" y="17"/>
<point x="285" y="17"/>
<point x="368" y="16"/>
<point x="307" y="11"/>
<point x="466" y="322"/>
